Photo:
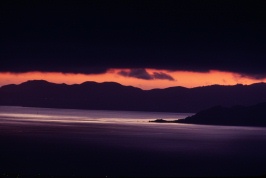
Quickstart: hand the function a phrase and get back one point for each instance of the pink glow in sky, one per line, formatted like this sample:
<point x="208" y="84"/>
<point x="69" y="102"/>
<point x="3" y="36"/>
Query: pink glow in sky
<point x="181" y="78"/>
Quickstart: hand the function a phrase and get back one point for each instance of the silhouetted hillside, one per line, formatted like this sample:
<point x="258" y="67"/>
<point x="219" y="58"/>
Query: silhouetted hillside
<point x="113" y="96"/>
<point x="239" y="116"/>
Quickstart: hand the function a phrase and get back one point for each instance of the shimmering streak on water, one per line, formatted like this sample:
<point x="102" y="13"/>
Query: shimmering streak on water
<point x="21" y="114"/>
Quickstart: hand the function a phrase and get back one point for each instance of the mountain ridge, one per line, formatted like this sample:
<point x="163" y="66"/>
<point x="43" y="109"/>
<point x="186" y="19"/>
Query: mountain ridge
<point x="114" y="96"/>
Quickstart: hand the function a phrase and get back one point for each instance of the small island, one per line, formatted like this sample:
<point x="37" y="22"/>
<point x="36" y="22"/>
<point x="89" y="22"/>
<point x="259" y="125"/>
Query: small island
<point x="163" y="121"/>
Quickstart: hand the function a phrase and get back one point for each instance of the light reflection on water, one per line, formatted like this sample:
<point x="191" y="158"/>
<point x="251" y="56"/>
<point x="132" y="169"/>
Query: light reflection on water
<point x="24" y="114"/>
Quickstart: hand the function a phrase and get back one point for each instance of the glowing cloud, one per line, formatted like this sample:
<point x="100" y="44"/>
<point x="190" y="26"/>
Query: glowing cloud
<point x="143" y="74"/>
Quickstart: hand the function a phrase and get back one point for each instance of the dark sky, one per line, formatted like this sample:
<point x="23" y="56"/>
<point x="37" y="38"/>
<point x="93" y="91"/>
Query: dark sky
<point x="92" y="36"/>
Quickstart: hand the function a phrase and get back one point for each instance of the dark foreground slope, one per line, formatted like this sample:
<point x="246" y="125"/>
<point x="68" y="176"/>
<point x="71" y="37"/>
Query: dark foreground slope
<point x="238" y="116"/>
<point x="113" y="96"/>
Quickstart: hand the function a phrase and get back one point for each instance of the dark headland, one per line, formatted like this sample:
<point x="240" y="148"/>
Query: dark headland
<point x="254" y="115"/>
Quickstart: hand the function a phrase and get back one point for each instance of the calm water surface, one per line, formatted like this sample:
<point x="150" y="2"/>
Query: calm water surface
<point x="119" y="143"/>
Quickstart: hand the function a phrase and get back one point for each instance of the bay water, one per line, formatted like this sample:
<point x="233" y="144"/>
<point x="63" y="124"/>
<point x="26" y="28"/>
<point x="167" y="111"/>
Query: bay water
<point x="69" y="142"/>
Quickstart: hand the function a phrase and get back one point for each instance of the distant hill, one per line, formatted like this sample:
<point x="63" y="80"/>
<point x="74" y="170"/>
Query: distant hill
<point x="114" y="96"/>
<point x="238" y="116"/>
